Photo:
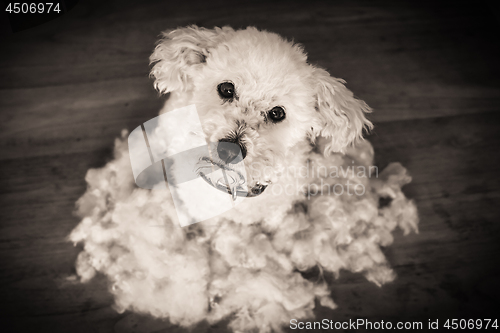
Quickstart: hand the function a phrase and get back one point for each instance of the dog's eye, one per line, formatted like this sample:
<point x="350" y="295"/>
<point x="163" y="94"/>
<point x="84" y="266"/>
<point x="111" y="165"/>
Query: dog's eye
<point x="276" y="114"/>
<point x="226" y="90"/>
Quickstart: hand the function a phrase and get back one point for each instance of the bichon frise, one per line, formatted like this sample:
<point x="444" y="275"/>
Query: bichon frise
<point x="312" y="197"/>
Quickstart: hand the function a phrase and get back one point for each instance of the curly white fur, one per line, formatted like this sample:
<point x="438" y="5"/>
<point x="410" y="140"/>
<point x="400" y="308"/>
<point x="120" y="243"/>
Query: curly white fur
<point x="246" y="264"/>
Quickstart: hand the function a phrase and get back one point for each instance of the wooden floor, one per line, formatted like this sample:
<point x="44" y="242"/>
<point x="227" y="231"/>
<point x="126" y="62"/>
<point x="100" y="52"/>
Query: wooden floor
<point x="430" y="71"/>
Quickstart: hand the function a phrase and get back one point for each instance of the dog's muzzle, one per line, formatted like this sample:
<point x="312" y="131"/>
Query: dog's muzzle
<point x="229" y="180"/>
<point x="233" y="185"/>
<point x="230" y="156"/>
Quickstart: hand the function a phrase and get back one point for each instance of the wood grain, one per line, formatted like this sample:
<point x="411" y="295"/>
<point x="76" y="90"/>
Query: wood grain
<point x="430" y="71"/>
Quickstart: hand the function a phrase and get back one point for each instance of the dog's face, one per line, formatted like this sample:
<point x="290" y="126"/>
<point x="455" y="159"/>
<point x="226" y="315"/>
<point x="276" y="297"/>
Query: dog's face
<point x="257" y="97"/>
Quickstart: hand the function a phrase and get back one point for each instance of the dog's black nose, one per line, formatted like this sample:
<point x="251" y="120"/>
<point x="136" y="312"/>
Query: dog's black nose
<point x="229" y="150"/>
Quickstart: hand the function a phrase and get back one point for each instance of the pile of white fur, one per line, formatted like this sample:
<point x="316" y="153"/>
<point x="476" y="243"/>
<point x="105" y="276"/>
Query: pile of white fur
<point x="247" y="272"/>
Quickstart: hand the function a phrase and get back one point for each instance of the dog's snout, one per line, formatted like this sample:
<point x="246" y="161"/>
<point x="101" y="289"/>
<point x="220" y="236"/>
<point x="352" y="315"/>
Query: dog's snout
<point x="229" y="150"/>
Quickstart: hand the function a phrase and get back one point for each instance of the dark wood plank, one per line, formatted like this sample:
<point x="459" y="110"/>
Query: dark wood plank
<point x="406" y="61"/>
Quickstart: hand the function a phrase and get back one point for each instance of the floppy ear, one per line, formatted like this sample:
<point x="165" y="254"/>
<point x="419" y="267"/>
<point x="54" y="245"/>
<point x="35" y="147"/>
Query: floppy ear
<point x="341" y="116"/>
<point x="178" y="51"/>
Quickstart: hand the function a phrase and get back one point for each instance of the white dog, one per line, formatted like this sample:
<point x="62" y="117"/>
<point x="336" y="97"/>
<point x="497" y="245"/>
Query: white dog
<point x="312" y="193"/>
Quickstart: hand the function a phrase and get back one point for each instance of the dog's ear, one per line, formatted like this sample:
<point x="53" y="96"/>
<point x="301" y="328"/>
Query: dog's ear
<point x="178" y="51"/>
<point x="341" y="117"/>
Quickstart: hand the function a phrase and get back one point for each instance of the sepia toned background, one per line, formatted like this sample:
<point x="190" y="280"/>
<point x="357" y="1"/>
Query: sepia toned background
<point x="430" y="70"/>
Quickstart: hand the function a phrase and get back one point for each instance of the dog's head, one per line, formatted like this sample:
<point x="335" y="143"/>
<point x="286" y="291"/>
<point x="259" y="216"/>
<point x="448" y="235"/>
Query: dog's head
<point x="257" y="96"/>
